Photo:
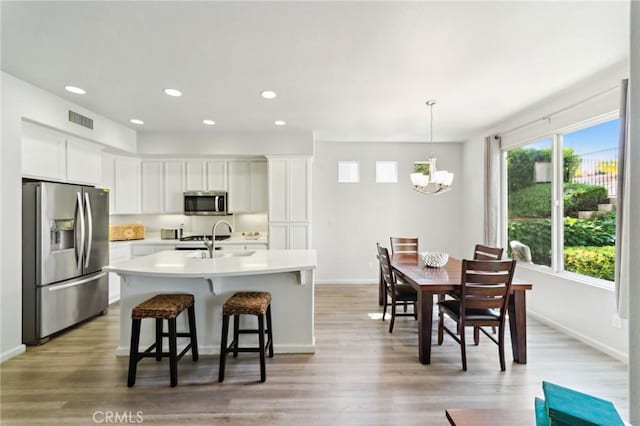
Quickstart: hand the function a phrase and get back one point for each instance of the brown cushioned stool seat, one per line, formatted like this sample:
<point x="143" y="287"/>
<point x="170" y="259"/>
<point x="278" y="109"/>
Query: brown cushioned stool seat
<point x="162" y="307"/>
<point x="256" y="303"/>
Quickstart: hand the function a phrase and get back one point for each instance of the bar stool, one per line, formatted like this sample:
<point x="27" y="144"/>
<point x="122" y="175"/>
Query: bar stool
<point x="161" y="307"/>
<point x="256" y="303"/>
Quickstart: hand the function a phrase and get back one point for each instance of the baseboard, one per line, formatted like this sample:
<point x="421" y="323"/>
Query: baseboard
<point x="210" y="350"/>
<point x="348" y="281"/>
<point x="20" y="349"/>
<point x="614" y="353"/>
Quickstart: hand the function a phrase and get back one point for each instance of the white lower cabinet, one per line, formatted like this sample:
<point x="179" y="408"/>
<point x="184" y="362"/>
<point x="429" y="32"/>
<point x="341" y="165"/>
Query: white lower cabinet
<point x="138" y="250"/>
<point x="241" y="247"/>
<point x="117" y="253"/>
<point x="289" y="236"/>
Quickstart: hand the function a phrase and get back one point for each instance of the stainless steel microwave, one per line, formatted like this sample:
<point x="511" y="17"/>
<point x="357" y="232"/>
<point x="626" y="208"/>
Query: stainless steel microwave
<point x="205" y="203"/>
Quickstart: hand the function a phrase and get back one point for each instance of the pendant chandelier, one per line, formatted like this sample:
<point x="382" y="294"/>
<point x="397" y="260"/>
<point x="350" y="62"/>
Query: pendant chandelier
<point x="426" y="178"/>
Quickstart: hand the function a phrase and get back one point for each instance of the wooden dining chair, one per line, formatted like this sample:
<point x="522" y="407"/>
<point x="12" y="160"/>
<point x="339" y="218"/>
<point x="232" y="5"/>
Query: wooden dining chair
<point x="399" y="293"/>
<point x="484" y="296"/>
<point x="482" y="252"/>
<point x="404" y="248"/>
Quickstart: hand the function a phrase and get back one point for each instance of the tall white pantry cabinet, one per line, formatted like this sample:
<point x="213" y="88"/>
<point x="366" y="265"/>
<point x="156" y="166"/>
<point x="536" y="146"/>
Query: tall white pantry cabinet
<point x="289" y="202"/>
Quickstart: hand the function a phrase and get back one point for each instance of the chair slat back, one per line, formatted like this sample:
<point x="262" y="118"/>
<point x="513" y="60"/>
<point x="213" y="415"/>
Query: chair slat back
<point x="486" y="284"/>
<point x="404" y="247"/>
<point x="385" y="266"/>
<point x="482" y="252"/>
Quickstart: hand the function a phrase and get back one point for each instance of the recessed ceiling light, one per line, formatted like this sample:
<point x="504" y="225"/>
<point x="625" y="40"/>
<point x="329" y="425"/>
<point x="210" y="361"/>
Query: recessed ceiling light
<point x="173" y="92"/>
<point x="136" y="121"/>
<point x="279" y="123"/>
<point x="76" y="90"/>
<point x="209" y="122"/>
<point x="268" y="94"/>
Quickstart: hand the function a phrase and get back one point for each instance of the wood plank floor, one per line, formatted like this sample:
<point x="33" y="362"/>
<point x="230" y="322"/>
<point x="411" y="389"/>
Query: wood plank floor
<point x="359" y="375"/>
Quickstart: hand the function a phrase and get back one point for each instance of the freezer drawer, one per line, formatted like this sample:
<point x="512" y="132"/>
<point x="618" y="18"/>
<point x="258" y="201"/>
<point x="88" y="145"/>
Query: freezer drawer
<point x="64" y="304"/>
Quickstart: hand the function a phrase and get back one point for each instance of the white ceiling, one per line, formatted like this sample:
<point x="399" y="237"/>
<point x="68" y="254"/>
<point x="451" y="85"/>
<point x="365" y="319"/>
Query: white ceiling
<point x="344" y="70"/>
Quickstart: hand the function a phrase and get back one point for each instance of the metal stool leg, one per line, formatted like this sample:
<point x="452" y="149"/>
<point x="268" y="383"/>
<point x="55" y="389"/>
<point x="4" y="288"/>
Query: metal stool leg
<point x="173" y="352"/>
<point x="263" y="375"/>
<point x="236" y="335"/>
<point x="192" y="332"/>
<point x="133" y="351"/>
<point x="269" y="332"/>
<point x="223" y="347"/>
<point x="159" y="330"/>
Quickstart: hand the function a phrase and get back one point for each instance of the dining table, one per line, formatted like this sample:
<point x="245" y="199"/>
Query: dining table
<point x="428" y="281"/>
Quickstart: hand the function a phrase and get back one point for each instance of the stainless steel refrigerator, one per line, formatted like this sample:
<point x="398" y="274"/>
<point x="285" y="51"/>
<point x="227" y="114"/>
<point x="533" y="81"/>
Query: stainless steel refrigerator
<point x="65" y="244"/>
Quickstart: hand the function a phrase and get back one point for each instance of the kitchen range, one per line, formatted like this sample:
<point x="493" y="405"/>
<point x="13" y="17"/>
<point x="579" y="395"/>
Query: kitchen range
<point x="197" y="242"/>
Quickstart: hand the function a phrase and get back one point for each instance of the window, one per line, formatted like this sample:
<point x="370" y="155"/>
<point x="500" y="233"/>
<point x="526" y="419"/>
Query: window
<point x="386" y="172"/>
<point x="348" y="172"/>
<point x="565" y="220"/>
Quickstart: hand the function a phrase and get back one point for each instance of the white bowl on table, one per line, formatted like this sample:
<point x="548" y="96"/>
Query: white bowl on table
<point x="434" y="259"/>
<point x="251" y="235"/>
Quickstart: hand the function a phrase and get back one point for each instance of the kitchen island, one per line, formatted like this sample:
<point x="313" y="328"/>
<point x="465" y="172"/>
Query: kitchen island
<point x="287" y="274"/>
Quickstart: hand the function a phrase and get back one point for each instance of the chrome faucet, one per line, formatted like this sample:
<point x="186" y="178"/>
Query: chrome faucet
<point x="211" y="245"/>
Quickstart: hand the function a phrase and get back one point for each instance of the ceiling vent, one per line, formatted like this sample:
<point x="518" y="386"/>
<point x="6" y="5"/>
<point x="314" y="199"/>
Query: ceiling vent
<point x="80" y="120"/>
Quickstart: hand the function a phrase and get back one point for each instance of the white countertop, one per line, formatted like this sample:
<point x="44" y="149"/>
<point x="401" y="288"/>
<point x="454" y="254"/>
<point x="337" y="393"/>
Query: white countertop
<point x="182" y="264"/>
<point x="154" y="238"/>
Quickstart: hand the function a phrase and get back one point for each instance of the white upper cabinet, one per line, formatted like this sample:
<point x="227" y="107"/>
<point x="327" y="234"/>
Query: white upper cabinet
<point x="173" y="186"/>
<point x="162" y="184"/>
<point x="258" y="190"/>
<point x="299" y="190"/>
<point x="217" y="175"/>
<point x="238" y="197"/>
<point x="247" y="186"/>
<point x="152" y="186"/>
<point x="278" y="185"/>
<point x="83" y="161"/>
<point x="195" y="174"/>
<point x="43" y="153"/>
<point x="53" y="155"/>
<point x="127" y="185"/>
<point x="289" y="189"/>
<point x="289" y="203"/>
<point x="108" y="178"/>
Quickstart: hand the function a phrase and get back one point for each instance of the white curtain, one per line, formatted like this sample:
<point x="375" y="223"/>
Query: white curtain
<point x="492" y="156"/>
<point x="622" y="207"/>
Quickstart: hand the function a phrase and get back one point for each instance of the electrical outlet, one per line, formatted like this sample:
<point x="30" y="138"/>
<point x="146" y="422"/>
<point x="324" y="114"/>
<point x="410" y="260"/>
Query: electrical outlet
<point x="616" y="321"/>
<point x="370" y="265"/>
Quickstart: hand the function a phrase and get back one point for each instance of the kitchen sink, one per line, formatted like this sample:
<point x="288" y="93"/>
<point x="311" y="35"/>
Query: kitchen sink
<point x="231" y="253"/>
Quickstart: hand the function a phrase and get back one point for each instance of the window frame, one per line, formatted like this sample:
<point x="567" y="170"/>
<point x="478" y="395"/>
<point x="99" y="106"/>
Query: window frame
<point x="557" y="201"/>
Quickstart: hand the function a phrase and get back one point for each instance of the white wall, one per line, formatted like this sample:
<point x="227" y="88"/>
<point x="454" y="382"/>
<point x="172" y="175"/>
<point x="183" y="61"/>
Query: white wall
<point x="283" y="142"/>
<point x="348" y="219"/>
<point x="581" y="310"/>
<point x="21" y="100"/>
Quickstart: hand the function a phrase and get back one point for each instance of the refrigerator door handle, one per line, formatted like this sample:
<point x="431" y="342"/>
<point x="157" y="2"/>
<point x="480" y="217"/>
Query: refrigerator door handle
<point x="80" y="215"/>
<point x="76" y="283"/>
<point x="90" y="233"/>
